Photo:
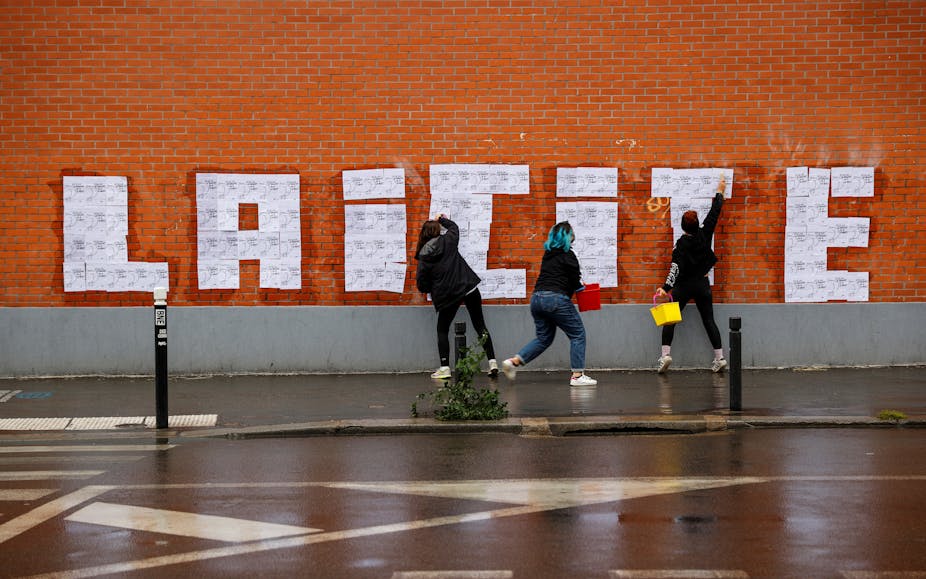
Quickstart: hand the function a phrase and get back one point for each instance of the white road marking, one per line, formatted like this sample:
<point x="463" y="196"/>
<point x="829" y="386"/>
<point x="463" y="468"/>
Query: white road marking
<point x="49" y="510"/>
<point x="453" y="575"/>
<point x="85" y="448"/>
<point x="183" y="524"/>
<point x="884" y="574"/>
<point x="105" y="422"/>
<point x="336" y="484"/>
<point x="24" y="494"/>
<point x="284" y="543"/>
<point x="100" y="458"/>
<point x="33" y="423"/>
<point x="677" y="574"/>
<point x="8" y="394"/>
<point x="550" y="493"/>
<point x="184" y="420"/>
<point x="291" y="542"/>
<point x="49" y="474"/>
<point x="573" y="492"/>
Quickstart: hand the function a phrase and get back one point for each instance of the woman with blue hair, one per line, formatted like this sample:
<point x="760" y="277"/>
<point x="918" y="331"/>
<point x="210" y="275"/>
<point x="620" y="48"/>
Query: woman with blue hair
<point x="552" y="307"/>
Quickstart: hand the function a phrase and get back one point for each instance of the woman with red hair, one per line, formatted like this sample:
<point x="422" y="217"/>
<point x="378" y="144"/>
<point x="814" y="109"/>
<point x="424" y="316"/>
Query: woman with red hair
<point x="692" y="259"/>
<point x="444" y="274"/>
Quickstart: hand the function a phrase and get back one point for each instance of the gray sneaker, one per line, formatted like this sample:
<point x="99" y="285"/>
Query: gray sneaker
<point x="718" y="365"/>
<point x="663" y="363"/>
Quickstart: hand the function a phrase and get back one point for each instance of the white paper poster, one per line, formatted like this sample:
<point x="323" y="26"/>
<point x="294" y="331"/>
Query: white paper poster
<point x="465" y="194"/>
<point x="853" y="181"/>
<point x="373" y="184"/>
<point x="690" y="183"/>
<point x="374" y="248"/>
<point x="810" y="231"/>
<point x="96" y="222"/>
<point x="457" y="179"/>
<point x="276" y="243"/>
<point x="595" y="227"/>
<point x="586" y="182"/>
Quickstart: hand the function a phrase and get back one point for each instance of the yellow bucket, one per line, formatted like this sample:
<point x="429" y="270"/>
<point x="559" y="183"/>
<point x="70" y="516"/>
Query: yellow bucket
<point x="666" y="314"/>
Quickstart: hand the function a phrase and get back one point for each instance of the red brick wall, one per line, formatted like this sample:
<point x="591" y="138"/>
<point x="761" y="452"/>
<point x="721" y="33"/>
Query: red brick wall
<point x="157" y="91"/>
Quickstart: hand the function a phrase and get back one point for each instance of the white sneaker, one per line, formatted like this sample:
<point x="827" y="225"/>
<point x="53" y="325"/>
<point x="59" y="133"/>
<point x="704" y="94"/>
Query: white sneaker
<point x="718" y="365"/>
<point x="509" y="369"/>
<point x="441" y="373"/>
<point x="663" y="363"/>
<point x="493" y="368"/>
<point x="582" y="380"/>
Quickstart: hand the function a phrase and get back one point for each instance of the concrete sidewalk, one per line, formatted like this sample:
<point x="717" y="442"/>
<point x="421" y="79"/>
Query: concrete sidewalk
<point x="538" y="402"/>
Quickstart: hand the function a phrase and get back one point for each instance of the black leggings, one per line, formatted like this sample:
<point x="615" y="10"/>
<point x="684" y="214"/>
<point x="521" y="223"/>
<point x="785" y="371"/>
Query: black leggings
<point x="473" y="303"/>
<point x="700" y="291"/>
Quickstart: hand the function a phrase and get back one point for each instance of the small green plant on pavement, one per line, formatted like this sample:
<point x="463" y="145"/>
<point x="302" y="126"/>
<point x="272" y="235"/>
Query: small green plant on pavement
<point x="891" y="416"/>
<point x="458" y="399"/>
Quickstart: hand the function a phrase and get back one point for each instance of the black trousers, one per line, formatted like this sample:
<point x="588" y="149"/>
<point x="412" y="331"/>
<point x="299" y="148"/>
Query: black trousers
<point x="473" y="303"/>
<point x="698" y="290"/>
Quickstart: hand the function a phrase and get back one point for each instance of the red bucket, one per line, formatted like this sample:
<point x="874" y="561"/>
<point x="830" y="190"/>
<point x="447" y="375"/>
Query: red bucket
<point x="589" y="298"/>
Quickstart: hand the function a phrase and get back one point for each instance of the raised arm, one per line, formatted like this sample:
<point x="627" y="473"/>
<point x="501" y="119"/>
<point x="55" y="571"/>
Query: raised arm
<point x="452" y="236"/>
<point x="710" y="222"/>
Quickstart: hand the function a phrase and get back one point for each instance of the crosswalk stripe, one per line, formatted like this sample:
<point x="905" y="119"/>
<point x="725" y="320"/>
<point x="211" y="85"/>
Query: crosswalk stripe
<point x="49" y="510"/>
<point x="185" y="420"/>
<point x="453" y="575"/>
<point x="24" y="494"/>
<point x="884" y="574"/>
<point x="411" y="487"/>
<point x="183" y="524"/>
<point x="677" y="574"/>
<point x="106" y="422"/>
<point x="85" y="448"/>
<point x="553" y="493"/>
<point x="281" y="543"/>
<point x="13" y="460"/>
<point x="33" y="423"/>
<point x="8" y="394"/>
<point x="49" y="474"/>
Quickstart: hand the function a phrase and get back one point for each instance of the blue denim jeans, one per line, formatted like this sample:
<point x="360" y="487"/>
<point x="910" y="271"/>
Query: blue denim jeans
<point x="553" y="310"/>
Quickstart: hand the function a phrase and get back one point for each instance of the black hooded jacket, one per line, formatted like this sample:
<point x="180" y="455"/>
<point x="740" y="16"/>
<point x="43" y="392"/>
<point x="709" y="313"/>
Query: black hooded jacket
<point x="442" y="271"/>
<point x="693" y="257"/>
<point x="559" y="272"/>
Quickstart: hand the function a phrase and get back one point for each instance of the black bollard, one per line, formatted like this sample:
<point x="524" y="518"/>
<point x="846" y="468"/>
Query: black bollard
<point x="459" y="342"/>
<point x="160" y="356"/>
<point x="736" y="365"/>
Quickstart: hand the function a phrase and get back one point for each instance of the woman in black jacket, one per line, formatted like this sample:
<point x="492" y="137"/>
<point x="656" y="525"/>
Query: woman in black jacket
<point x="552" y="307"/>
<point x="443" y="273"/>
<point x="692" y="259"/>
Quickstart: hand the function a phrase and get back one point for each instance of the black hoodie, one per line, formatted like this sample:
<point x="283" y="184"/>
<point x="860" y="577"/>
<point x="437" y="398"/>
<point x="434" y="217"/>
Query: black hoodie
<point x="693" y="257"/>
<point x="559" y="272"/>
<point x="442" y="271"/>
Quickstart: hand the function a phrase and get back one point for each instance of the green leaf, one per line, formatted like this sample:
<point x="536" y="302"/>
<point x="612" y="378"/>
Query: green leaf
<point x="458" y="399"/>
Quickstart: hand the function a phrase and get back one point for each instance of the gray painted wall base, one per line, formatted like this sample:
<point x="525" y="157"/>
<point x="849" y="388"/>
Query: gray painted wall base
<point x="311" y="339"/>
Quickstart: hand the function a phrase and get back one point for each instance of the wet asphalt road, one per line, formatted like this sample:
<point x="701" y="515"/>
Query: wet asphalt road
<point x="767" y="503"/>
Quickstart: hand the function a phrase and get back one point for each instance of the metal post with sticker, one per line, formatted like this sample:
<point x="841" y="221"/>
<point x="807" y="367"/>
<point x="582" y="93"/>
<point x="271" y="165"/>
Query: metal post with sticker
<point x="736" y="365"/>
<point x="160" y="356"/>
